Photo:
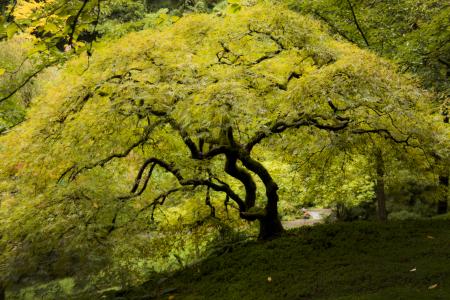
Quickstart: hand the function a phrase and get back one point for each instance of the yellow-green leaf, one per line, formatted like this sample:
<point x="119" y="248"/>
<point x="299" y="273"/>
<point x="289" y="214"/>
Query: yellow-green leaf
<point x="50" y="27"/>
<point x="11" y="30"/>
<point x="234" y="8"/>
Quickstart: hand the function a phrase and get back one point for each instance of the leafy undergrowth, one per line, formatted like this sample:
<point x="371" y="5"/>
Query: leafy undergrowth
<point x="398" y="260"/>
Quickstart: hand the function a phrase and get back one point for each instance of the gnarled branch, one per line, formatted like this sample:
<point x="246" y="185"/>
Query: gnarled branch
<point x="281" y="126"/>
<point x="384" y="132"/>
<point x="225" y="188"/>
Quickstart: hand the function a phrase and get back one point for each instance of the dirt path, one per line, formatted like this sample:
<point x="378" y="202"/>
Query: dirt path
<point x="299" y="223"/>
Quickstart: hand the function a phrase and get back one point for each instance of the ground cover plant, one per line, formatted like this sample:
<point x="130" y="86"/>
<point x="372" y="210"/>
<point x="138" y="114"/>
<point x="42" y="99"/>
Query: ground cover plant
<point x="361" y="260"/>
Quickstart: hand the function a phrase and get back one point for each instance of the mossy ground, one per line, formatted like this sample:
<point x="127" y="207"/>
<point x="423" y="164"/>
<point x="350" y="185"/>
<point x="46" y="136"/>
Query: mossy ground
<point x="335" y="261"/>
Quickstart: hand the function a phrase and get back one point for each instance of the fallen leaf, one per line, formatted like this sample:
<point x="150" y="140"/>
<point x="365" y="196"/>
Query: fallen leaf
<point x="430" y="237"/>
<point x="413" y="269"/>
<point x="2" y="71"/>
<point x="433" y="286"/>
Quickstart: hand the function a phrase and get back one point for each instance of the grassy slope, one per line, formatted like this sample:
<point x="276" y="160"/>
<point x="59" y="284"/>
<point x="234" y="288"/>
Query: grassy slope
<point x="338" y="261"/>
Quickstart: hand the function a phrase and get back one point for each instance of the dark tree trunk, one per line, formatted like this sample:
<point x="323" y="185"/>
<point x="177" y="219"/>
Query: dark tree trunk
<point x="442" y="205"/>
<point x="242" y="175"/>
<point x="269" y="224"/>
<point x="2" y="292"/>
<point x="270" y="227"/>
<point x="379" y="189"/>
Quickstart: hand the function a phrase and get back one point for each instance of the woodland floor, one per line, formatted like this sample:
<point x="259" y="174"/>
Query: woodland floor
<point x="399" y="260"/>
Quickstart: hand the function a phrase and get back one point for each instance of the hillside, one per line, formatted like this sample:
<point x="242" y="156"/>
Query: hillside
<point x="401" y="260"/>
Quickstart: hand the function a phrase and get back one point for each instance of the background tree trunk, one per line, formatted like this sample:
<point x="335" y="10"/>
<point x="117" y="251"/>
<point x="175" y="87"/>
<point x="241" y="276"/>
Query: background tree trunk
<point x="379" y="188"/>
<point x="2" y="292"/>
<point x="442" y="205"/>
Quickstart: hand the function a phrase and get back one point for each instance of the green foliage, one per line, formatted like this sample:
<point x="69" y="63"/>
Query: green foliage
<point x="112" y="28"/>
<point x="124" y="10"/>
<point x="415" y="33"/>
<point x="15" y="68"/>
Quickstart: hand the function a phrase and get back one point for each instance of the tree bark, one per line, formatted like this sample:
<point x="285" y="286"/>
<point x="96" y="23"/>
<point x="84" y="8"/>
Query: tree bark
<point x="270" y="227"/>
<point x="380" y="186"/>
<point x="270" y="224"/>
<point x="352" y="10"/>
<point x="243" y="176"/>
<point x="2" y="292"/>
<point x="442" y="205"/>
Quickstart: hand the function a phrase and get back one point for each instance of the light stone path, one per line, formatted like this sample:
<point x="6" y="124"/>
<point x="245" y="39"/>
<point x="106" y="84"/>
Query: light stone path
<point x="317" y="216"/>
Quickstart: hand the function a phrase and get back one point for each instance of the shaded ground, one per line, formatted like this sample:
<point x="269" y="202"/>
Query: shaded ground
<point x="401" y="260"/>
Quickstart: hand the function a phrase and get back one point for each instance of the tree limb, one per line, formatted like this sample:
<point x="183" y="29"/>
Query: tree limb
<point x="243" y="176"/>
<point x="333" y="27"/>
<point x="281" y="126"/>
<point x="357" y="23"/>
<point x="75" y="21"/>
<point x="190" y="182"/>
<point x="384" y="132"/>
<point x="15" y="90"/>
